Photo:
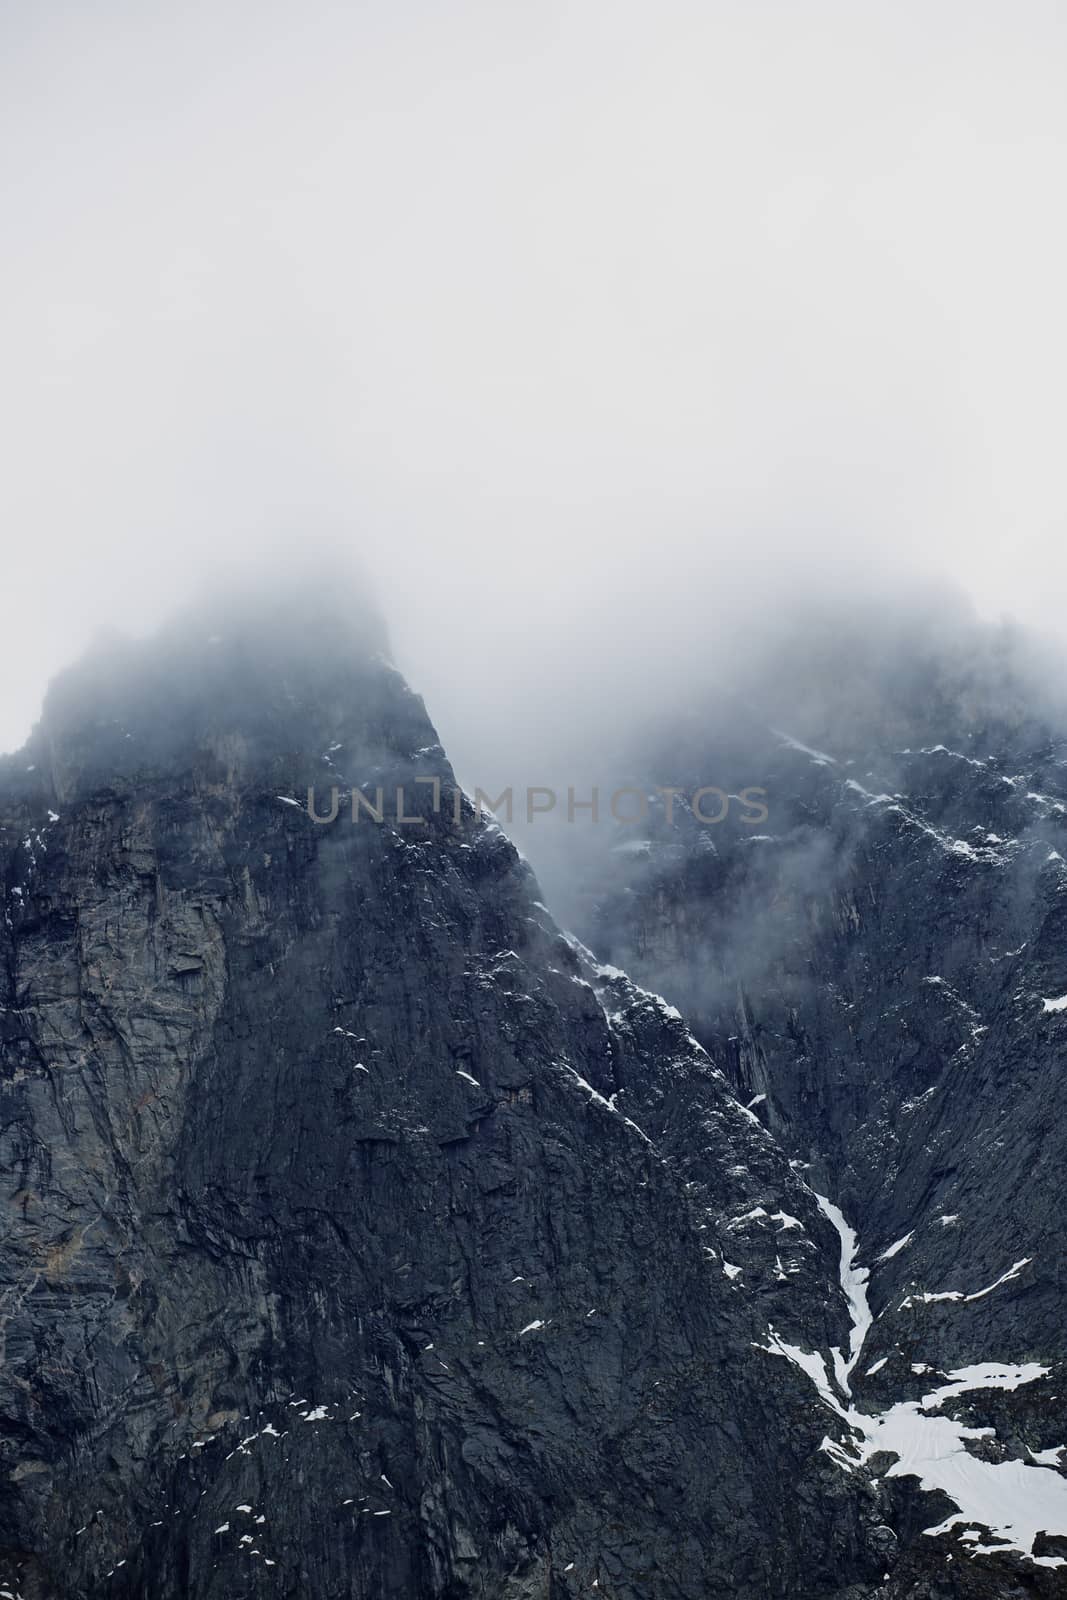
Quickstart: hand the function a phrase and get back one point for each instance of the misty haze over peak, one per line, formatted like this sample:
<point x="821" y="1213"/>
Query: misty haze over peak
<point x="533" y="801"/>
<point x="576" y="326"/>
<point x="725" y="696"/>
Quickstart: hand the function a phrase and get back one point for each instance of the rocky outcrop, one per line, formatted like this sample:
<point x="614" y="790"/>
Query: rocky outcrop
<point x="881" y="967"/>
<point x="361" y="1234"/>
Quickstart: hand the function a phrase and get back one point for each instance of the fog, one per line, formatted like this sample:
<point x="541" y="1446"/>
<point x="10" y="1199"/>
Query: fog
<point x="613" y="340"/>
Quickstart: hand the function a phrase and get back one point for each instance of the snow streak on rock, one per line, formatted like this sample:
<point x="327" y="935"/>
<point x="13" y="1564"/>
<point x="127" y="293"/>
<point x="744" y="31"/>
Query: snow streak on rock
<point x="1014" y="1500"/>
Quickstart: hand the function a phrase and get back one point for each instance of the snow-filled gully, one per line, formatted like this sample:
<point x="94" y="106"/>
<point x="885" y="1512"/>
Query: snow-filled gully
<point x="1013" y="1500"/>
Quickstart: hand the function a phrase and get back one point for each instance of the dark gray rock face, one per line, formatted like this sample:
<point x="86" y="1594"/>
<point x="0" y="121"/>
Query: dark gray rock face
<point x="361" y="1236"/>
<point x="883" y="961"/>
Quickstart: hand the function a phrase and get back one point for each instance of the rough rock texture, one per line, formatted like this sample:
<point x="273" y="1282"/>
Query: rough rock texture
<point x="881" y="961"/>
<point x="362" y="1236"/>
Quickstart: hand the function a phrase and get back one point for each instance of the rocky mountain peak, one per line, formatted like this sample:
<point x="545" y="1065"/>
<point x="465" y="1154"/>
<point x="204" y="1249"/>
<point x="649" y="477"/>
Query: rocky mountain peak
<point x="363" y="1232"/>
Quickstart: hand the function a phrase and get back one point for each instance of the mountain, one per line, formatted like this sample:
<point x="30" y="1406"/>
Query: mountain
<point x="880" y="965"/>
<point x="362" y="1233"/>
<point x="366" y="1234"/>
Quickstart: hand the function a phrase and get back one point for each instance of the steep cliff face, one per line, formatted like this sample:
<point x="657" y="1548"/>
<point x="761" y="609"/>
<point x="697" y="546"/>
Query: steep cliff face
<point x="362" y="1235"/>
<point x="881" y="965"/>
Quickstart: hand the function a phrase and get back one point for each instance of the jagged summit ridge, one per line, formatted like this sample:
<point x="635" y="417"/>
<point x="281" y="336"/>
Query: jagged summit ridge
<point x="342" y="1187"/>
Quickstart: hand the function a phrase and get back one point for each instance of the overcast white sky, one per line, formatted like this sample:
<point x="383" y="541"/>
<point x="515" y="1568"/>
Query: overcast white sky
<point x="563" y="314"/>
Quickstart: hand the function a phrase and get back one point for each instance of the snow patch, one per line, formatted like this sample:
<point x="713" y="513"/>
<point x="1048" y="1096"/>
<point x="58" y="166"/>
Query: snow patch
<point x="1015" y="1500"/>
<point x="786" y="1220"/>
<point x="854" y="1283"/>
<point x="979" y="1294"/>
<point x="819" y="757"/>
<point x="895" y="1249"/>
